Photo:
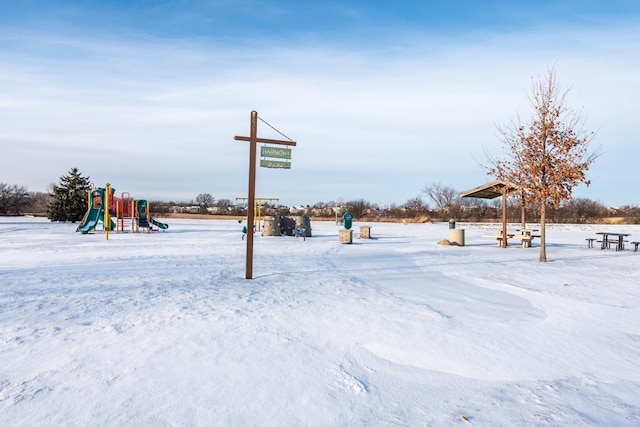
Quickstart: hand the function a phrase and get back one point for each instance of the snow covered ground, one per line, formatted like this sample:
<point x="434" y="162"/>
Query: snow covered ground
<point x="163" y="329"/>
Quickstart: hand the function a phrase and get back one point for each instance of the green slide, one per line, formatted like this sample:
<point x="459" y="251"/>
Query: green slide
<point x="90" y="220"/>
<point x="145" y="222"/>
<point x="160" y="225"/>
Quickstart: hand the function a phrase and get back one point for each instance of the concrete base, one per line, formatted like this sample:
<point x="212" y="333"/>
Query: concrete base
<point x="365" y="232"/>
<point x="345" y="236"/>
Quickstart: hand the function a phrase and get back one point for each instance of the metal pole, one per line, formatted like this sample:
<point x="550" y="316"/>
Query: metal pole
<point x="251" y="204"/>
<point x="106" y="221"/>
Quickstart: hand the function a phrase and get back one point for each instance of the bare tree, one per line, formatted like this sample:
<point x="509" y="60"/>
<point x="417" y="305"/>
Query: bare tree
<point x="39" y="202"/>
<point x="358" y="208"/>
<point x="415" y="206"/>
<point x="581" y="211"/>
<point x="14" y="199"/>
<point x="548" y="156"/>
<point x="204" y="201"/>
<point x="224" y="203"/>
<point x="447" y="199"/>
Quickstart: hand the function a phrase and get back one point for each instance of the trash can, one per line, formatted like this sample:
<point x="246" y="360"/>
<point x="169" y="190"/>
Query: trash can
<point x="452" y="224"/>
<point x="347" y="219"/>
<point x="456" y="237"/>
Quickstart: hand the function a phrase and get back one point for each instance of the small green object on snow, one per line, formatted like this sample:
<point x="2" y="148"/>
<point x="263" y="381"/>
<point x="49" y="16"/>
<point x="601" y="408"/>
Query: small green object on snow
<point x="347" y="219"/>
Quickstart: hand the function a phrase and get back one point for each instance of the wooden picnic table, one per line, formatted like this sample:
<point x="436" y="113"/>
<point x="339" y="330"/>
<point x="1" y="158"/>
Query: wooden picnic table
<point x="609" y="238"/>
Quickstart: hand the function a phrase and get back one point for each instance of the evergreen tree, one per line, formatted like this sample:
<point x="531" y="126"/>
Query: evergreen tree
<point x="69" y="197"/>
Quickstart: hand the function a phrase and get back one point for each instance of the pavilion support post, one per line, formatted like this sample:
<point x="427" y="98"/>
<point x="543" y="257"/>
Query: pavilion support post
<point x="503" y="242"/>
<point x="494" y="190"/>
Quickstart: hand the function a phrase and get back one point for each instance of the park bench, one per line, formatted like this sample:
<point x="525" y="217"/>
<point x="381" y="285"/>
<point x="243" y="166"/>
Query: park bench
<point x="617" y="245"/>
<point x="606" y="244"/>
<point x="635" y="246"/>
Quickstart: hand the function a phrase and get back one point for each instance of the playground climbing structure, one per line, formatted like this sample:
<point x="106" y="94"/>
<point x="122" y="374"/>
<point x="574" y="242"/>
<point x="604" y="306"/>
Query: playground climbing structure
<point x="120" y="214"/>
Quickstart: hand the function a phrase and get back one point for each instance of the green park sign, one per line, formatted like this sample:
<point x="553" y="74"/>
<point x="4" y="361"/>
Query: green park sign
<point x="274" y="164"/>
<point x="275" y="152"/>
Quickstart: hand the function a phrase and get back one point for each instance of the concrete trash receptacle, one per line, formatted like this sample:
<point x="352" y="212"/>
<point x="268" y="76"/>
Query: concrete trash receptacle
<point x="365" y="232"/>
<point x="456" y="236"/>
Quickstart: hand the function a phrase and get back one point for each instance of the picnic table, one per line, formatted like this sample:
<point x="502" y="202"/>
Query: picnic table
<point x="526" y="236"/>
<point x="615" y="239"/>
<point x="499" y="237"/>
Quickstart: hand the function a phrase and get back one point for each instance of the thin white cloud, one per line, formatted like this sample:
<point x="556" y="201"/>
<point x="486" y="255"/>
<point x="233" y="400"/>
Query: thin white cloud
<point x="159" y="116"/>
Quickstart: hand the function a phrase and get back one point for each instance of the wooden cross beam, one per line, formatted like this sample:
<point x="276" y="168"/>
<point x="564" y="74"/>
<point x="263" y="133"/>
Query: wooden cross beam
<point x="253" y="146"/>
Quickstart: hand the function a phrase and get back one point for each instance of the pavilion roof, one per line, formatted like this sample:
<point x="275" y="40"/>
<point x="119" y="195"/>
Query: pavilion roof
<point x="490" y="190"/>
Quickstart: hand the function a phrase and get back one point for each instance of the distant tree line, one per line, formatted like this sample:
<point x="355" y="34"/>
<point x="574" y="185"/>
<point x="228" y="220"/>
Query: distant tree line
<point x="204" y="203"/>
<point x="68" y="202"/>
<point x="17" y="200"/>
<point x="448" y="203"/>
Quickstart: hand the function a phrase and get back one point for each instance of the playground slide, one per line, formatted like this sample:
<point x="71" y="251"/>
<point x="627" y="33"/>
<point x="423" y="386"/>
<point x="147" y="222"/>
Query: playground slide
<point x="160" y="225"/>
<point x="90" y="220"/>
<point x="145" y="222"/>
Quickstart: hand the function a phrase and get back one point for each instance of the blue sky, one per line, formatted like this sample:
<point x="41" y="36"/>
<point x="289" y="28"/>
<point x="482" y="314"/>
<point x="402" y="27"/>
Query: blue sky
<point x="383" y="97"/>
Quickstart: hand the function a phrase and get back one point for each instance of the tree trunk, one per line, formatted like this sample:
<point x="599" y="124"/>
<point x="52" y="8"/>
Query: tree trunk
<point x="523" y="215"/>
<point x="543" y="248"/>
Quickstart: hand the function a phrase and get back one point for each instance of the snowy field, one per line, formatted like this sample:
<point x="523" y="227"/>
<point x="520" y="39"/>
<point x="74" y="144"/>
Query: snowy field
<point x="162" y="329"/>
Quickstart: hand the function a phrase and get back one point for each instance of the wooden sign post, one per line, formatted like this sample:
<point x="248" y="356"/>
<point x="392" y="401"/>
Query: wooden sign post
<point x="251" y="204"/>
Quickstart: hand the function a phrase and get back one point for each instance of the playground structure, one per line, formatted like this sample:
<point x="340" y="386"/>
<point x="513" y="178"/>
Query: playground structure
<point x="129" y="214"/>
<point x="288" y="226"/>
<point x="299" y="225"/>
<point x="258" y="208"/>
